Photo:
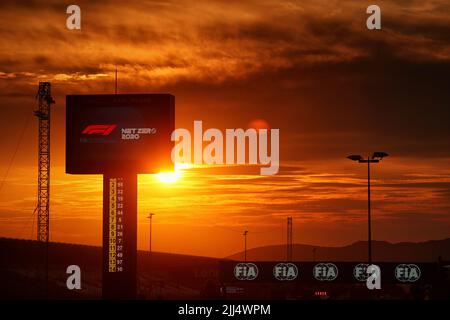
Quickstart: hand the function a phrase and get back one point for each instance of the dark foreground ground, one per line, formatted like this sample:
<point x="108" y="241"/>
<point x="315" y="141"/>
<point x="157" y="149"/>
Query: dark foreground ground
<point x="169" y="276"/>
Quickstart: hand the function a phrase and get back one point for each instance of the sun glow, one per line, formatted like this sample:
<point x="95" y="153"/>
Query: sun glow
<point x="172" y="176"/>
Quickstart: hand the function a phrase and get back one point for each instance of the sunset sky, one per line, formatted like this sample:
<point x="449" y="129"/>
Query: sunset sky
<point x="310" y="68"/>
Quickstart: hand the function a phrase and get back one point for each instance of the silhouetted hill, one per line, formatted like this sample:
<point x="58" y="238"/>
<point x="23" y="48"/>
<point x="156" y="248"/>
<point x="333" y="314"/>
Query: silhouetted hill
<point x="176" y="276"/>
<point x="161" y="275"/>
<point x="428" y="251"/>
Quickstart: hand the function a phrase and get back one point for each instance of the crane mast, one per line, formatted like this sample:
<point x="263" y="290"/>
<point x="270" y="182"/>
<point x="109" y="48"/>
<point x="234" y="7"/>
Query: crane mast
<point x="43" y="205"/>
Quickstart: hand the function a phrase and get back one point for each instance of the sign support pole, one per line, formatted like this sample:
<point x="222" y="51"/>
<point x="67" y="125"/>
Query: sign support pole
<point x="119" y="236"/>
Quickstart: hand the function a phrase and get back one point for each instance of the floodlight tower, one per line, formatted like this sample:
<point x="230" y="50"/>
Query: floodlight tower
<point x="43" y="206"/>
<point x="376" y="158"/>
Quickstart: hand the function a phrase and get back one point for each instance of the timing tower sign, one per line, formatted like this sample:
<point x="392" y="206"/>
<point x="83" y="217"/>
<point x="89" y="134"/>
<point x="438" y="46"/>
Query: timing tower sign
<point x="119" y="136"/>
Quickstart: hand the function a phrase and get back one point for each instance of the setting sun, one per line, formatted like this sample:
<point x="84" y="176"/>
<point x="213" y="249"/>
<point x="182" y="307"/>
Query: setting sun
<point x="168" y="177"/>
<point x="172" y="176"/>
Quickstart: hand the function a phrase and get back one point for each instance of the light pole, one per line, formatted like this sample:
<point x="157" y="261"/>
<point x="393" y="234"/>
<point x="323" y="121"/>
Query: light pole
<point x="376" y="157"/>
<point x="150" y="216"/>
<point x="245" y="245"/>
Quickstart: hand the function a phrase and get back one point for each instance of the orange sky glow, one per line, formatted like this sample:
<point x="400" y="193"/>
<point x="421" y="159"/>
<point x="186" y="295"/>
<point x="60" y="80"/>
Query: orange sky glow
<point x="309" y="68"/>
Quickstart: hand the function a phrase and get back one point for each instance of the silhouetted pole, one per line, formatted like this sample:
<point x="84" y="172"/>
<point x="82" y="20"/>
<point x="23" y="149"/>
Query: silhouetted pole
<point x="376" y="157"/>
<point x="369" y="217"/>
<point x="245" y="245"/>
<point x="150" y="216"/>
<point x="116" y="81"/>
<point x="289" y="243"/>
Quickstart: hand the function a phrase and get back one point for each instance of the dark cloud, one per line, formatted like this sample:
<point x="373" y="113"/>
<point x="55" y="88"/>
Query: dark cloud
<point x="310" y="68"/>
<point x="431" y="184"/>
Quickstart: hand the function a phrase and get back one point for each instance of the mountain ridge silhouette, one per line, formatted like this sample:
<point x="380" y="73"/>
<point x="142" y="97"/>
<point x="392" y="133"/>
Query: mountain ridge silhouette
<point x="427" y="251"/>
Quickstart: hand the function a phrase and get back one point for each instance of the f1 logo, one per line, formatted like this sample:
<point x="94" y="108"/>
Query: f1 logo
<point x="103" y="129"/>
<point x="374" y="277"/>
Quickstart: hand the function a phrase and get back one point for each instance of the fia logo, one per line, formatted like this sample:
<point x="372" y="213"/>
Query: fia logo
<point x="360" y="272"/>
<point x="285" y="271"/>
<point x="407" y="273"/>
<point x="246" y="271"/>
<point x="374" y="277"/>
<point x="325" y="271"/>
